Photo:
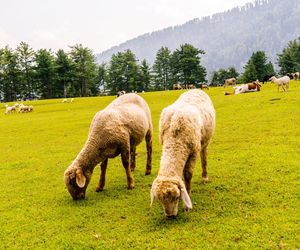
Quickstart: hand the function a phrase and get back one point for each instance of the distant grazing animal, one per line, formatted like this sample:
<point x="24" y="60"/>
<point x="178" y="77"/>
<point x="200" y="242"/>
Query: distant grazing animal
<point x="203" y="86"/>
<point x="230" y="81"/>
<point x="115" y="130"/>
<point x="9" y="110"/>
<point x="122" y="92"/>
<point x="185" y="130"/>
<point x="177" y="86"/>
<point x="281" y="82"/>
<point x="296" y="76"/>
<point x="191" y="86"/>
<point x="244" y="88"/>
<point x="72" y="100"/>
<point x="64" y="100"/>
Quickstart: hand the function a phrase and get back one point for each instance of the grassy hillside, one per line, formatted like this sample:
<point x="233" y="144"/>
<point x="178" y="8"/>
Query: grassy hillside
<point x="251" y="202"/>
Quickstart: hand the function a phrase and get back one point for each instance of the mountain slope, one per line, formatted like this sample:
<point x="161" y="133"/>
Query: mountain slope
<point x="228" y="38"/>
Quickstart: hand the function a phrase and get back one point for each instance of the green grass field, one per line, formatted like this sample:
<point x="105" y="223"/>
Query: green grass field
<point x="251" y="202"/>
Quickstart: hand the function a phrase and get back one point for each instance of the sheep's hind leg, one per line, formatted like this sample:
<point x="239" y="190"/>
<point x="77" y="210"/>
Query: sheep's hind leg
<point x="188" y="172"/>
<point x="203" y="155"/>
<point x="125" y="155"/>
<point x="132" y="158"/>
<point x="149" y="153"/>
<point x="102" y="176"/>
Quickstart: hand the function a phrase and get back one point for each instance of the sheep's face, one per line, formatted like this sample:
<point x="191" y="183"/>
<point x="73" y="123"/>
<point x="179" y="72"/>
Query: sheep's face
<point x="169" y="192"/>
<point x="76" y="183"/>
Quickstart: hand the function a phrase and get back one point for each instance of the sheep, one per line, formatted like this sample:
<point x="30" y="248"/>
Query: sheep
<point x="23" y="108"/>
<point x="72" y="100"/>
<point x="204" y="86"/>
<point x="177" y="86"/>
<point x="244" y="88"/>
<point x="230" y="81"/>
<point x="122" y="92"/>
<point x="64" y="100"/>
<point x="185" y="130"/>
<point x="8" y="109"/>
<point x="191" y="86"/>
<point x="296" y="76"/>
<point x="281" y="82"/>
<point x="115" y="130"/>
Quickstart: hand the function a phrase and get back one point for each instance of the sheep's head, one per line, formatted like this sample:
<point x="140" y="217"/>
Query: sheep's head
<point x="76" y="182"/>
<point x="272" y="78"/>
<point x="169" y="192"/>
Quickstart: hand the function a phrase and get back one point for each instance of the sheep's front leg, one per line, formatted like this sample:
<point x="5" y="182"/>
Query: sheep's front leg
<point x="203" y="155"/>
<point x="102" y="176"/>
<point x="125" y="155"/>
<point x="188" y="172"/>
<point x="149" y="153"/>
<point x="132" y="157"/>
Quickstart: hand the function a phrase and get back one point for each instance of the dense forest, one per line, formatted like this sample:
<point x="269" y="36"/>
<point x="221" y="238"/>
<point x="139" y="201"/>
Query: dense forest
<point x="28" y="74"/>
<point x="228" y="38"/>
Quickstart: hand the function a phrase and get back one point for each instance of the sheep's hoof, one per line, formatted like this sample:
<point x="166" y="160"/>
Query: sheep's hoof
<point x="99" y="189"/>
<point x="205" y="180"/>
<point x="131" y="186"/>
<point x="148" y="172"/>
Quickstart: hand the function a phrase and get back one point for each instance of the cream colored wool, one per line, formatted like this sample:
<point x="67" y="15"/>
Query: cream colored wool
<point x="185" y="128"/>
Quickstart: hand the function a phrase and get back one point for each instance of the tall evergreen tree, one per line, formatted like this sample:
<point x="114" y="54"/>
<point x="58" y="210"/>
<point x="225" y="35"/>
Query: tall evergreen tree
<point x="289" y="59"/>
<point x="26" y="61"/>
<point x="64" y="75"/>
<point x="85" y="69"/>
<point x="145" y="76"/>
<point x="45" y="73"/>
<point x="162" y="69"/>
<point x="123" y="72"/>
<point x="257" y="67"/>
<point x="186" y="64"/>
<point x="11" y="87"/>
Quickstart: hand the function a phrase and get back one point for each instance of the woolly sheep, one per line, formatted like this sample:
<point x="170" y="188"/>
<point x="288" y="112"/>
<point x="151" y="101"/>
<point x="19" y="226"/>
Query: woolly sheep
<point x="122" y="92"/>
<point x="281" y="82"/>
<point x="117" y="129"/>
<point x="9" y="109"/>
<point x="185" y="129"/>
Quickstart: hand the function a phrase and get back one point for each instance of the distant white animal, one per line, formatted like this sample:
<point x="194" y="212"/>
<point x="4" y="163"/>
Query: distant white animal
<point x="64" y="100"/>
<point x="230" y="81"/>
<point x="72" y="100"/>
<point x="283" y="82"/>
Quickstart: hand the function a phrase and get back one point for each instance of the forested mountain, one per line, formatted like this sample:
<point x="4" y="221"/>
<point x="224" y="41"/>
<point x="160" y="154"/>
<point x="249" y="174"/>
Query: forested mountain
<point x="228" y="38"/>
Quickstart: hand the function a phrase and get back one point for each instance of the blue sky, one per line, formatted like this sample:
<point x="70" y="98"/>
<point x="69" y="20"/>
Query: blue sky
<point x="97" y="24"/>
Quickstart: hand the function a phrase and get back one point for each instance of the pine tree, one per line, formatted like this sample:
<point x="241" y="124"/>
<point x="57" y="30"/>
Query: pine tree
<point x="145" y="76"/>
<point x="162" y="69"/>
<point x="45" y="73"/>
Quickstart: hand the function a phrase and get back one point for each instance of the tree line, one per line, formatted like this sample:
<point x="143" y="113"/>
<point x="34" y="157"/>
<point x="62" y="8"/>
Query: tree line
<point x="29" y="74"/>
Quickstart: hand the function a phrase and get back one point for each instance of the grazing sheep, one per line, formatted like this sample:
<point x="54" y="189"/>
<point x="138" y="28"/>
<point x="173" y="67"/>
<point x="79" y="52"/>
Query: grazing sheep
<point x="230" y="81"/>
<point x="122" y="92"/>
<point x="191" y="86"/>
<point x="64" y="100"/>
<point x="177" y="86"/>
<point x="281" y="82"/>
<point x="185" y="129"/>
<point x="296" y="76"/>
<point x="9" y="110"/>
<point x="23" y="108"/>
<point x="72" y="100"/>
<point x="244" y="88"/>
<point x="204" y="86"/>
<point x="115" y="130"/>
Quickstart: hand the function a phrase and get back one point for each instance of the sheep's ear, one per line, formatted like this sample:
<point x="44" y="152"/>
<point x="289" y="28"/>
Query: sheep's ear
<point x="152" y="196"/>
<point x="80" y="178"/>
<point x="186" y="198"/>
